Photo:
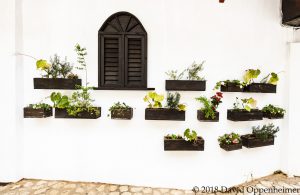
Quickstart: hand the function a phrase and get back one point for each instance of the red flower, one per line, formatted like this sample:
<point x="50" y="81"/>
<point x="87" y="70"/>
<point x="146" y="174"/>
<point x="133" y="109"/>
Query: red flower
<point x="220" y="94"/>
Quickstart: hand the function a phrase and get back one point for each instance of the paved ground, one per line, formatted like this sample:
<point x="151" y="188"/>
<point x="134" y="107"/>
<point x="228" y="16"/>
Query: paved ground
<point x="34" y="187"/>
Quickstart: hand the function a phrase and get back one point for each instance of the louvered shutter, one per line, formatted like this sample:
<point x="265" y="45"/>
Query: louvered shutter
<point x="112" y="61"/>
<point x="135" y="61"/>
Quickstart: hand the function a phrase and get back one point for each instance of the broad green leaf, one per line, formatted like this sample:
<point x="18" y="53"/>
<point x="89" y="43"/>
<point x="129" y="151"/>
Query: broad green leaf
<point x="181" y="107"/>
<point x="42" y="64"/>
<point x="248" y="108"/>
<point x="273" y="79"/>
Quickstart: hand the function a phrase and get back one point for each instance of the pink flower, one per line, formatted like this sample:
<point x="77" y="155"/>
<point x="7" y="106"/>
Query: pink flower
<point x="235" y="141"/>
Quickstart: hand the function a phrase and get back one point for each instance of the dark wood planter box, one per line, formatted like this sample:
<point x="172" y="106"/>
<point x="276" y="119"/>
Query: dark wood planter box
<point x="201" y="117"/>
<point x="37" y="113"/>
<point x="62" y="113"/>
<point x="185" y="85"/>
<point x="260" y="88"/>
<point x="122" y="114"/>
<point x="58" y="83"/>
<point x="250" y="141"/>
<point x="231" y="87"/>
<point x="231" y="147"/>
<point x="181" y="144"/>
<point x="244" y="115"/>
<point x="272" y="116"/>
<point x="164" y="114"/>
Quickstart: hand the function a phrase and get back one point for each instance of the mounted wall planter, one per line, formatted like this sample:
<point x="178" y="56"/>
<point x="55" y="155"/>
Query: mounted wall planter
<point x="250" y="141"/>
<point x="231" y="147"/>
<point x="185" y="85"/>
<point x="260" y="88"/>
<point x="37" y="113"/>
<point x="231" y="87"/>
<point x="57" y="83"/>
<point x="244" y="115"/>
<point x="62" y="113"/>
<point x="164" y="114"/>
<point x="272" y="116"/>
<point x="201" y="117"/>
<point x="183" y="145"/>
<point x="122" y="114"/>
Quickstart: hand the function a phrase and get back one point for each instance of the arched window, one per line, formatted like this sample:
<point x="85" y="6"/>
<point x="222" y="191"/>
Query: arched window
<point x="122" y="53"/>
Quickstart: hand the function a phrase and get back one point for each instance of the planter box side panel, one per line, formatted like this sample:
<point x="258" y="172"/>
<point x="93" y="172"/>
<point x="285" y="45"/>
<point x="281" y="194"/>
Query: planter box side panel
<point x="164" y="114"/>
<point x="236" y="115"/>
<point x="231" y="88"/>
<point x="272" y="116"/>
<point x="122" y="114"/>
<point x="182" y="145"/>
<point x="231" y="147"/>
<point x="185" y="85"/>
<point x="62" y="113"/>
<point x="261" y="88"/>
<point x="254" y="142"/>
<point x="37" y="113"/>
<point x="201" y="117"/>
<point x="58" y="83"/>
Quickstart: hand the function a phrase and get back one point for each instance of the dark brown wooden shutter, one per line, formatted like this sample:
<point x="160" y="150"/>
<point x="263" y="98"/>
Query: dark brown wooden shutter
<point x="112" y="62"/>
<point x="135" y="61"/>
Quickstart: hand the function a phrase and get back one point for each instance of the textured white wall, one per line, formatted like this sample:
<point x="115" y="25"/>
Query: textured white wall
<point x="230" y="37"/>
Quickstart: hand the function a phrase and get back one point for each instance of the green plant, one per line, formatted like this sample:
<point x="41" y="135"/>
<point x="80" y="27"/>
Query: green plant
<point x="246" y="103"/>
<point x="273" y="110"/>
<point x="118" y="106"/>
<point x="173" y="101"/>
<point x="174" y="136"/>
<point x="59" y="101"/>
<point x="40" y="106"/>
<point x="271" y="78"/>
<point x="190" y="135"/>
<point x="228" y="139"/>
<point x="266" y="132"/>
<point x="250" y="75"/>
<point x="81" y="53"/>
<point x="81" y="101"/>
<point x="193" y="71"/>
<point x="226" y="82"/>
<point x="173" y="75"/>
<point x="210" y="105"/>
<point x="154" y="100"/>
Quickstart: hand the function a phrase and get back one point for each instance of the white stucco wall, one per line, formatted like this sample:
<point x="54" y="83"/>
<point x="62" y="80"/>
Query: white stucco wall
<point x="230" y="37"/>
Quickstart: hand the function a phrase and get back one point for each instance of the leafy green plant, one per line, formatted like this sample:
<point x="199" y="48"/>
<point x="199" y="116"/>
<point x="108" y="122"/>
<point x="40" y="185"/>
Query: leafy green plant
<point x="40" y="106"/>
<point x="226" y="82"/>
<point x="173" y="100"/>
<point x="246" y="104"/>
<point x="154" y="100"/>
<point x="174" y="136"/>
<point x="274" y="110"/>
<point x="250" y="75"/>
<point x="192" y="72"/>
<point x="59" y="101"/>
<point x="190" y="135"/>
<point x="210" y="105"/>
<point x="271" y="78"/>
<point x="81" y="53"/>
<point x="118" y="106"/>
<point x="229" y="139"/>
<point x="265" y="132"/>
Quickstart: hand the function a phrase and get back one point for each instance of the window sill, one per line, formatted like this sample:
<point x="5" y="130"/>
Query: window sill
<point x="126" y="89"/>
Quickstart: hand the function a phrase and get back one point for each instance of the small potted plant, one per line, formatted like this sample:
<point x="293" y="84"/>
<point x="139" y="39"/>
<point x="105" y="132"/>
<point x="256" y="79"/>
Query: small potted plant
<point x="121" y="111"/>
<point x="192" y="81"/>
<point x="172" y="111"/>
<point x="244" y="110"/>
<point x="39" y="110"/>
<point x="261" y="136"/>
<point x="273" y="112"/>
<point x="230" y="86"/>
<point x="230" y="142"/>
<point x="209" y="113"/>
<point x="190" y="141"/>
<point x="266" y="85"/>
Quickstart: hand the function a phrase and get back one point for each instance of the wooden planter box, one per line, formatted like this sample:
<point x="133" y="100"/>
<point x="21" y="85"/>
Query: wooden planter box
<point x="164" y="114"/>
<point x="58" y="83"/>
<point x="244" y="115"/>
<point x="37" y="113"/>
<point x="260" y="88"/>
<point x="62" y="113"/>
<point x="185" y="85"/>
<point x="122" y="114"/>
<point x="231" y="87"/>
<point x="250" y="141"/>
<point x="201" y="117"/>
<point x="181" y="144"/>
<point x="272" y="116"/>
<point x="231" y="147"/>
